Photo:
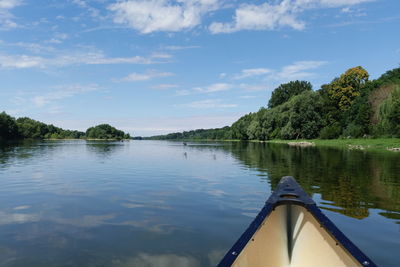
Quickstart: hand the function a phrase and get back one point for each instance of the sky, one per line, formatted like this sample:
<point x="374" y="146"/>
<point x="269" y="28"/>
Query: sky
<point x="153" y="67"/>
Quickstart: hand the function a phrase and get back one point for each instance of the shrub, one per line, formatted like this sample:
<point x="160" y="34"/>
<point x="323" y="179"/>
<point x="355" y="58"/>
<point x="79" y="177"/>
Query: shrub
<point x="331" y="131"/>
<point x="353" y="130"/>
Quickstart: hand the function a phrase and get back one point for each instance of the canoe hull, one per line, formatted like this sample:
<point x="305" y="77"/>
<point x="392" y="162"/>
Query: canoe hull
<point x="292" y="231"/>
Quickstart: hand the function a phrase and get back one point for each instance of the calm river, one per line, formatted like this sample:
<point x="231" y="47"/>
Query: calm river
<point x="156" y="203"/>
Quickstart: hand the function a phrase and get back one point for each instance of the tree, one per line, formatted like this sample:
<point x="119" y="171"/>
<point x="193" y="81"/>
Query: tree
<point x="287" y="90"/>
<point x="347" y="87"/>
<point x="239" y="128"/>
<point x="105" y="131"/>
<point x="8" y="127"/>
<point x="390" y="114"/>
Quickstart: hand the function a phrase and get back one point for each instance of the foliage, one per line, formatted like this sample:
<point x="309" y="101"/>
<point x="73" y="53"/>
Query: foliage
<point x="329" y="111"/>
<point x="347" y="87"/>
<point x="105" y="131"/>
<point x="8" y="127"/>
<point x="353" y="131"/>
<point x="26" y="128"/>
<point x="287" y="90"/>
<point x="390" y="114"/>
<point x="297" y="118"/>
<point x="389" y="77"/>
<point x="29" y="128"/>
<point x="239" y="128"/>
<point x="342" y="108"/>
<point x="199" y="134"/>
<point x="331" y="131"/>
<point x="357" y="119"/>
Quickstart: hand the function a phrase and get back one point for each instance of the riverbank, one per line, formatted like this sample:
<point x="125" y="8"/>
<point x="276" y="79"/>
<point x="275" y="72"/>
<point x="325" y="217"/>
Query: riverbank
<point x="378" y="144"/>
<point x="86" y="139"/>
<point x="382" y="144"/>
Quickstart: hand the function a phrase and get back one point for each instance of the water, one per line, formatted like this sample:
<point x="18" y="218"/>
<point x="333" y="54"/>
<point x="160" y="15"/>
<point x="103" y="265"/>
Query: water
<point x="155" y="203"/>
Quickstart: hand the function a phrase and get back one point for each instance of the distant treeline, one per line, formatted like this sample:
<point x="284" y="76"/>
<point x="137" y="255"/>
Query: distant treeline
<point x="350" y="106"/>
<point x="26" y="128"/>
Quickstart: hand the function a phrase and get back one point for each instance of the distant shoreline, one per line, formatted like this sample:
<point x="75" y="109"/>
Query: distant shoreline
<point x="64" y="139"/>
<point x="362" y="144"/>
<point x="366" y="144"/>
<point x="86" y="139"/>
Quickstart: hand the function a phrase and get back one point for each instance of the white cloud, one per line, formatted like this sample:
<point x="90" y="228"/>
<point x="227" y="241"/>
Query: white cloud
<point x="335" y="3"/>
<point x="298" y="70"/>
<point x="6" y="18"/>
<point x="272" y="16"/>
<point x="20" y="61"/>
<point x="253" y="87"/>
<point x="183" y="92"/>
<point x="73" y="58"/>
<point x="136" y="77"/>
<point x="62" y="93"/>
<point x="161" y="55"/>
<point x="9" y="4"/>
<point x="346" y="10"/>
<point x="32" y="47"/>
<point x="80" y="3"/>
<point x="58" y="38"/>
<point x="165" y="86"/>
<point x="247" y="73"/>
<point x="209" y="103"/>
<point x="93" y="12"/>
<point x="179" y="47"/>
<point x="216" y="87"/>
<point x="147" y="16"/>
<point x="260" y="17"/>
<point x="247" y="96"/>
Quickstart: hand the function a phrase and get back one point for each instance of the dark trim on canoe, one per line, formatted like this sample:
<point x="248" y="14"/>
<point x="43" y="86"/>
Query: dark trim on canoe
<point x="289" y="191"/>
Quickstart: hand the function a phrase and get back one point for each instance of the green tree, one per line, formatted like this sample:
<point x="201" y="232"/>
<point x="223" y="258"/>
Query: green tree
<point x="8" y="127"/>
<point x="347" y="87"/>
<point x="390" y="114"/>
<point x="239" y="128"/>
<point x="105" y="131"/>
<point x="287" y="90"/>
<point x="29" y="128"/>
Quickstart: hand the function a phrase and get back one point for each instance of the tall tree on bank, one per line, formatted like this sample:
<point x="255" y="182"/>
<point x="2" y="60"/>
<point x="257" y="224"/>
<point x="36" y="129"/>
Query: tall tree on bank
<point x="8" y="127"/>
<point x="347" y="87"/>
<point x="285" y="91"/>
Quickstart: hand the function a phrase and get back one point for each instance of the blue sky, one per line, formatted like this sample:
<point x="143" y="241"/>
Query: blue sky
<point x="158" y="66"/>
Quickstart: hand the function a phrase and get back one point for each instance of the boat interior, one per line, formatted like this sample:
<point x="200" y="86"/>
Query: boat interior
<point x="291" y="236"/>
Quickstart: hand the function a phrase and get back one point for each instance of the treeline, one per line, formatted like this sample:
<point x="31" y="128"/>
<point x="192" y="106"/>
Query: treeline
<point x="213" y="134"/>
<point x="105" y="131"/>
<point x="26" y="128"/>
<point x="349" y="106"/>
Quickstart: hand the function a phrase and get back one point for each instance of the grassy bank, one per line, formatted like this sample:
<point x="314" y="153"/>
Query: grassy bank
<point x="381" y="144"/>
<point x="86" y="139"/>
<point x="360" y="144"/>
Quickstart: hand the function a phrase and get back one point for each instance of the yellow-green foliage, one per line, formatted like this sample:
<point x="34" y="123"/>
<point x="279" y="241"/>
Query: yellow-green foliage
<point x="348" y="86"/>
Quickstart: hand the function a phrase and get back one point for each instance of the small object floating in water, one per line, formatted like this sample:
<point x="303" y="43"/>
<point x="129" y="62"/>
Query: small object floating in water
<point x="301" y="144"/>
<point x="184" y="143"/>
<point x="291" y="230"/>
<point x="357" y="147"/>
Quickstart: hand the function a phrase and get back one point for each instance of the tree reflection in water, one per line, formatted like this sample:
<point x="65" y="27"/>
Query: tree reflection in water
<point x="349" y="182"/>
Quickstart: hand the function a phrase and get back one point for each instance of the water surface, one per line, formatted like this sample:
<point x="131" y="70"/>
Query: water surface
<point x="156" y="203"/>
